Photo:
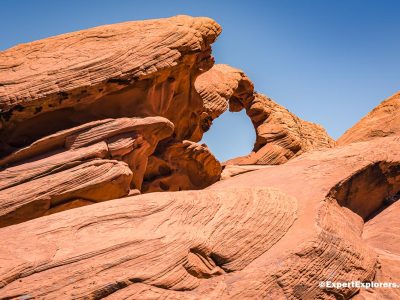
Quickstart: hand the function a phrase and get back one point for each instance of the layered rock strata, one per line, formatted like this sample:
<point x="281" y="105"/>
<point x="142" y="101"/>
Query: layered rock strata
<point x="78" y="82"/>
<point x="271" y="233"/>
<point x="140" y="68"/>
<point x="78" y="163"/>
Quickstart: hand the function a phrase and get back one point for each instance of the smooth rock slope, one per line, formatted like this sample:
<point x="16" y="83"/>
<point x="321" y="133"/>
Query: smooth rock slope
<point x="383" y="120"/>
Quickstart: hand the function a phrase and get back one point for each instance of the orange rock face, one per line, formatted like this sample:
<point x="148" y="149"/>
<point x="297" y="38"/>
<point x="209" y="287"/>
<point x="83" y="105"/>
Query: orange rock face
<point x="181" y="166"/>
<point x="92" y="119"/>
<point x="144" y="68"/>
<point x="111" y="92"/>
<point x="383" y="120"/>
<point x="54" y="171"/>
<point x="281" y="135"/>
<point x="271" y="233"/>
<point x="382" y="234"/>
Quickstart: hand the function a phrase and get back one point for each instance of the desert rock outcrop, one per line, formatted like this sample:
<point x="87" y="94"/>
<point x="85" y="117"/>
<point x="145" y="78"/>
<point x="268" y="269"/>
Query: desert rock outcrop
<point x="383" y="120"/>
<point x="280" y="135"/>
<point x="178" y="166"/>
<point x="99" y="139"/>
<point x="218" y="87"/>
<point x="61" y="95"/>
<point x="142" y="68"/>
<point x="271" y="233"/>
<point x="54" y="171"/>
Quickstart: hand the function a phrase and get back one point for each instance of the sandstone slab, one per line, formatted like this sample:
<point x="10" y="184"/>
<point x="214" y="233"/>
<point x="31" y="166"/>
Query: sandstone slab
<point x="78" y="163"/>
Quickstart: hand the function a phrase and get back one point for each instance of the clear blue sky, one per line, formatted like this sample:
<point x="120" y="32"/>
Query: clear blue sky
<point x="329" y="62"/>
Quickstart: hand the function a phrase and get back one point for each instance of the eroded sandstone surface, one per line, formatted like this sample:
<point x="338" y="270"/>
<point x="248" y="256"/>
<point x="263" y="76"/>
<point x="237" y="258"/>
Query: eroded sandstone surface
<point x="280" y="135"/>
<point x="99" y="141"/>
<point x="107" y="93"/>
<point x="271" y="233"/>
<point x="383" y="120"/>
<point x="141" y="68"/>
<point x="98" y="161"/>
<point x="382" y="234"/>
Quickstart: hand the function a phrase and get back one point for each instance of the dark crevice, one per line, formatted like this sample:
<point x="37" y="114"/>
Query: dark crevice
<point x="109" y="289"/>
<point x="370" y="190"/>
<point x="164" y="186"/>
<point x="68" y="200"/>
<point x="385" y="204"/>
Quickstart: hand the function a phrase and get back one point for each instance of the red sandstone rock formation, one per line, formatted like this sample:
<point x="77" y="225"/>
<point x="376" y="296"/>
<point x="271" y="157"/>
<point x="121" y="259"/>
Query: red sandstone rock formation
<point x="113" y="111"/>
<point x="383" y="120"/>
<point x="89" y="85"/>
<point x="53" y="172"/>
<point x="144" y="68"/>
<point x="382" y="234"/>
<point x="280" y="135"/>
<point x="271" y="233"/>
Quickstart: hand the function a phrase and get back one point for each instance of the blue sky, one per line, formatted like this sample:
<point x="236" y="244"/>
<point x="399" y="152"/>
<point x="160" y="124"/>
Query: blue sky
<point x="329" y="62"/>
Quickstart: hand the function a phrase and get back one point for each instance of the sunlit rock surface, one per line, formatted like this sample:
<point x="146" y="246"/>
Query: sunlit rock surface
<point x="99" y="139"/>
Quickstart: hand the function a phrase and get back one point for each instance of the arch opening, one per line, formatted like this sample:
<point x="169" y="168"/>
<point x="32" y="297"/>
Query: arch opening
<point x="231" y="135"/>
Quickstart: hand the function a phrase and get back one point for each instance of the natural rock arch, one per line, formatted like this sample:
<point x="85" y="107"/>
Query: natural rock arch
<point x="280" y="135"/>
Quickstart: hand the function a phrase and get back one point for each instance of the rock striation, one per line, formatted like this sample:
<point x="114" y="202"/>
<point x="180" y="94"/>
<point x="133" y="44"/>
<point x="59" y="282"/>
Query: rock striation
<point x="99" y="141"/>
<point x="108" y="93"/>
<point x="271" y="233"/>
<point x="78" y="163"/>
<point x="383" y="120"/>
<point x="140" y="68"/>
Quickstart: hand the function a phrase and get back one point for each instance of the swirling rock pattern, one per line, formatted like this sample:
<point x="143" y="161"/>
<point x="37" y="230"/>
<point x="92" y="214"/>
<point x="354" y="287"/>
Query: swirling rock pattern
<point x="174" y="241"/>
<point x="271" y="233"/>
<point x="140" y="68"/>
<point x="52" y="173"/>
<point x="177" y="166"/>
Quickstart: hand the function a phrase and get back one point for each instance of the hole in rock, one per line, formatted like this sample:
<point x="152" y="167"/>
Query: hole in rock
<point x="231" y="135"/>
<point x="370" y="190"/>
